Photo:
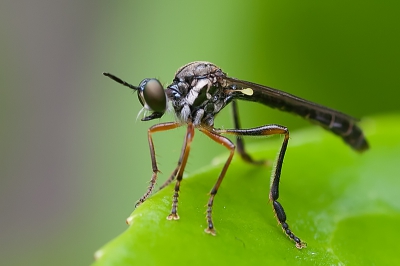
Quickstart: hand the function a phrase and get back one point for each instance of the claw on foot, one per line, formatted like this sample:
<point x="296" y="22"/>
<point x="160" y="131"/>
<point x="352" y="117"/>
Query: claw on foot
<point x="301" y="245"/>
<point x="173" y="216"/>
<point x="210" y="231"/>
<point x="138" y="203"/>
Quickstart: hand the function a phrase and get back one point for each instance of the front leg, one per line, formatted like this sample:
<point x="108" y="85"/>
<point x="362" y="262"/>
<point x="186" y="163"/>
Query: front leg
<point x="153" y="129"/>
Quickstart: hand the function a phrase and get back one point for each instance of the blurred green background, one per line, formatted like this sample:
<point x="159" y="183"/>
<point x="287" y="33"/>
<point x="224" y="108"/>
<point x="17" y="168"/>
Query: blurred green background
<point x="74" y="159"/>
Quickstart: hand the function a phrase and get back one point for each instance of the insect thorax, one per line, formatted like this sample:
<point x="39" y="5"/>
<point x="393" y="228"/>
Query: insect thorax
<point x="197" y="93"/>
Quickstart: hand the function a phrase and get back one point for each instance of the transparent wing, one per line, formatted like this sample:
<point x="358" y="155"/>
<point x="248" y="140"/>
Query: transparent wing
<point x="339" y="123"/>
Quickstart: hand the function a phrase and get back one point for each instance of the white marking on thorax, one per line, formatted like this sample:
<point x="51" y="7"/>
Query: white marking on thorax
<point x="194" y="92"/>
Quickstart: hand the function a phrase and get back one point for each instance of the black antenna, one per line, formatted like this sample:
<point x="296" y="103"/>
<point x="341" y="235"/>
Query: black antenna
<point x="111" y="76"/>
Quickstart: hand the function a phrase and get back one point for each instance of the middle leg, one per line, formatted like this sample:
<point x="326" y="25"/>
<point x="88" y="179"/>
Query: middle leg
<point x="229" y="145"/>
<point x="179" y="171"/>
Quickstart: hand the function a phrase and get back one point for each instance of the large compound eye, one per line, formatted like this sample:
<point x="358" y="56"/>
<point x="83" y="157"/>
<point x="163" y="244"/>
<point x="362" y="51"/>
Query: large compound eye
<point x="152" y="95"/>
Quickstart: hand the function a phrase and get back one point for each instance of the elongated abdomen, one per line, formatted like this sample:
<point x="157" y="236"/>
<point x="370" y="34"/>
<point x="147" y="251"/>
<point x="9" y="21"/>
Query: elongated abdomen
<point x="341" y="126"/>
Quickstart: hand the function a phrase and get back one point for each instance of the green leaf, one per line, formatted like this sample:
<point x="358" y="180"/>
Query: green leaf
<point x="344" y="204"/>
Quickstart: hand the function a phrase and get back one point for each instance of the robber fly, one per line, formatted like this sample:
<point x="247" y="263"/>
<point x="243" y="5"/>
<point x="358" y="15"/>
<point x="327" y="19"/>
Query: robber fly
<point x="199" y="91"/>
